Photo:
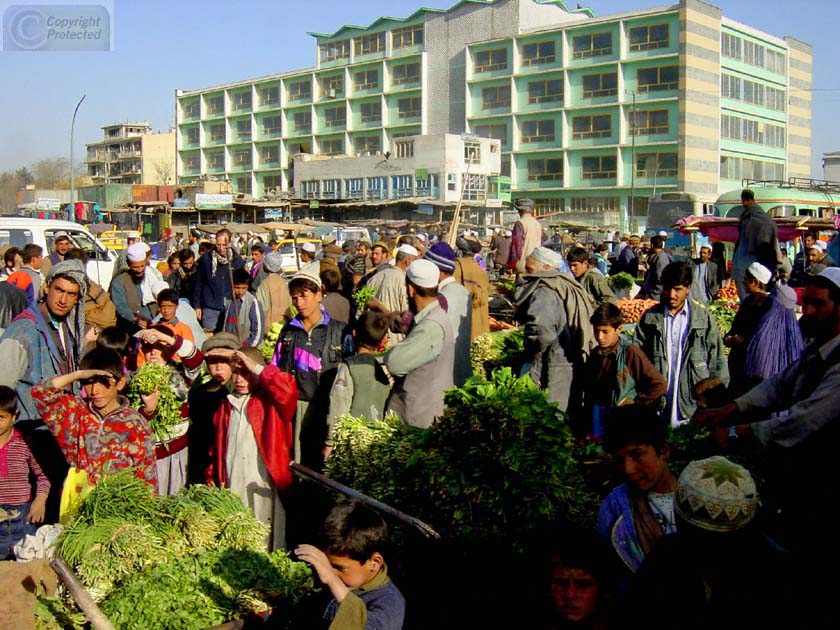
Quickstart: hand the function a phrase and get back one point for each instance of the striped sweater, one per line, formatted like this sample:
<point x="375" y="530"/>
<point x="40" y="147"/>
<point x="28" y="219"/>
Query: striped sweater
<point x="16" y="462"/>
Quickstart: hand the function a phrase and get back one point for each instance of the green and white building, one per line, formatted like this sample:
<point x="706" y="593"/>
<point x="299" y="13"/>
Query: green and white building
<point x="590" y="111"/>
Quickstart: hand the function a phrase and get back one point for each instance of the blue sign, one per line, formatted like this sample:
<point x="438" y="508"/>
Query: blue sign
<point x="425" y="208"/>
<point x="273" y="213"/>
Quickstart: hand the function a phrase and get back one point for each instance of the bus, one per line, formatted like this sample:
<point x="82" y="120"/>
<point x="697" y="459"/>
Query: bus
<point x="666" y="208"/>
<point x="796" y="197"/>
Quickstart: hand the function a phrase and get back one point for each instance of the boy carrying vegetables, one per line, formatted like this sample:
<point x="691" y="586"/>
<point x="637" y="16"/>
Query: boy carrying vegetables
<point x="100" y="434"/>
<point x="251" y="447"/>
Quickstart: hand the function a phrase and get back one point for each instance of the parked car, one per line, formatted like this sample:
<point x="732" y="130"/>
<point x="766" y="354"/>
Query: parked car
<point x="20" y="231"/>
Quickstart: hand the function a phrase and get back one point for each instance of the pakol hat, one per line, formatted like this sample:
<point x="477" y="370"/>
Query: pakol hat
<point x="423" y="273"/>
<point x="716" y="495"/>
<point x="442" y="255"/>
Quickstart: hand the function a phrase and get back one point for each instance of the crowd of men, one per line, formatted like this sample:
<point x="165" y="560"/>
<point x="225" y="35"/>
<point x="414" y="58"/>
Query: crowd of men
<point x="69" y="348"/>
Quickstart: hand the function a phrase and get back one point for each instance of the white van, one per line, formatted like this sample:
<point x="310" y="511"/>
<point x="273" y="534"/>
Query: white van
<point x="20" y="231"/>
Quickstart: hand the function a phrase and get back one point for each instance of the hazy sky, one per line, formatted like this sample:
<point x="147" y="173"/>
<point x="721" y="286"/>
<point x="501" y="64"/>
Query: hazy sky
<point x="164" y="45"/>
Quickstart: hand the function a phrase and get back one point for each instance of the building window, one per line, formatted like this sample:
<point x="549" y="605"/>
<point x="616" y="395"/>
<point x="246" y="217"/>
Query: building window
<point x="743" y="168"/>
<point x="191" y="109"/>
<point x="598" y="167"/>
<point x="269" y="96"/>
<point x="505" y="170"/>
<point x="730" y="46"/>
<point x="333" y="86"/>
<point x="538" y="53"/>
<point x="217" y="133"/>
<point x="426" y="186"/>
<point x="544" y="170"/>
<point x="754" y="54"/>
<point x="335" y="117"/>
<point x="494" y="97"/>
<point x="215" y="161"/>
<point x="300" y="91"/>
<point x="538" y="131"/>
<point x="335" y="51"/>
<point x="366" y="80"/>
<point x="751" y="92"/>
<point x="371" y="112"/>
<point x="495" y="131"/>
<point x="472" y="152"/>
<point x="546" y="206"/>
<point x="369" y="44"/>
<point x="303" y="121"/>
<point x="243" y="185"/>
<point x="405" y="73"/>
<point x="592" y="45"/>
<point x="271" y="126"/>
<point x="404" y="149"/>
<point x="648" y="37"/>
<point x="243" y="129"/>
<point x="402" y="186"/>
<point x="407" y="37"/>
<point x="241" y="100"/>
<point x="215" y="105"/>
<point x="658" y="79"/>
<point x="330" y="188"/>
<point x="377" y="188"/>
<point x="409" y="107"/>
<point x="649" y="123"/>
<point x="272" y="183"/>
<point x="241" y="157"/>
<point x="332" y="147"/>
<point x="474" y="187"/>
<point x="599" y="126"/>
<point x="754" y="131"/>
<point x="367" y="145"/>
<point x="269" y="155"/>
<point x="656" y="165"/>
<point x="192" y="135"/>
<point x="190" y="162"/>
<point x="597" y="85"/>
<point x="594" y="204"/>
<point x="354" y="188"/>
<point x="545" y="91"/>
<point x="775" y="62"/>
<point x="309" y="189"/>
<point x="489" y="60"/>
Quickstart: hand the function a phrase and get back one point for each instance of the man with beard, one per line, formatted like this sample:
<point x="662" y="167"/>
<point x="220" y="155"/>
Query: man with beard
<point x="214" y="282"/>
<point x="133" y="292"/>
<point x="801" y="441"/>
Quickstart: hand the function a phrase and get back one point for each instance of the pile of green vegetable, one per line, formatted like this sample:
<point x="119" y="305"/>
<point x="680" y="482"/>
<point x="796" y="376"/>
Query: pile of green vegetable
<point x="154" y="377"/>
<point x="269" y="344"/>
<point x="621" y="281"/>
<point x="363" y="296"/>
<point x="495" y="468"/>
<point x="498" y="349"/>
<point x="191" y="560"/>
<point x="724" y="312"/>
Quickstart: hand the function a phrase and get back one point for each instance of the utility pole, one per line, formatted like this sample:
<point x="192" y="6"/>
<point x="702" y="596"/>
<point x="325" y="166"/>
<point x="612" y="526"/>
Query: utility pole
<point x="72" y="213"/>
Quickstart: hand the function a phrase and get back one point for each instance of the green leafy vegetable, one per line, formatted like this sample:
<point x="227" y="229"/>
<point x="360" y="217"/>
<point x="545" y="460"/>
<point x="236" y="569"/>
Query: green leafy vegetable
<point x="154" y="377"/>
<point x="621" y="281"/>
<point x="363" y="296"/>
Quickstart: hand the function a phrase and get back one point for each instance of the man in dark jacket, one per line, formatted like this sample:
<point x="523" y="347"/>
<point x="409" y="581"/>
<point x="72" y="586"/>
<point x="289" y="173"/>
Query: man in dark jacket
<point x="628" y="258"/>
<point x="214" y="282"/>
<point x="656" y="263"/>
<point x="758" y="240"/>
<point x="705" y="284"/>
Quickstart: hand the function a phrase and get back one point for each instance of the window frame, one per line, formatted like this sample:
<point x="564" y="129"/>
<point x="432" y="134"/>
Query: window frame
<point x="539" y="134"/>
<point x="500" y="101"/>
<point x="366" y="84"/>
<point x="401" y="33"/>
<point x="660" y="85"/>
<point x="591" y="50"/>
<point x="544" y="174"/>
<point x="601" y="172"/>
<point x="492" y="64"/>
<point x="657" y="171"/>
<point x="336" y="119"/>
<point x="602" y="91"/>
<point x="334" y="51"/>
<point x="236" y="159"/>
<point x="370" y="117"/>
<point x="648" y="43"/>
<point x="648" y="129"/>
<point x="410" y="113"/>
<point x="591" y="131"/>
<point x="545" y="97"/>
<point x="539" y="57"/>
<point x="306" y="126"/>
<point x="369" y="44"/>
<point x="267" y="131"/>
<point x="295" y="95"/>
<point x="407" y="79"/>
<point x="263" y="150"/>
<point x="403" y="149"/>
<point x="269" y="88"/>
<point x="241" y="100"/>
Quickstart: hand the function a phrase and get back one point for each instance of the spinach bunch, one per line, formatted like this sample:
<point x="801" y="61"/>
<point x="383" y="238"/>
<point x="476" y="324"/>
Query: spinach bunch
<point x="154" y="377"/>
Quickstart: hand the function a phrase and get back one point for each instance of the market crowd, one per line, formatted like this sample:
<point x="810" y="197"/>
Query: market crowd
<point x="217" y="367"/>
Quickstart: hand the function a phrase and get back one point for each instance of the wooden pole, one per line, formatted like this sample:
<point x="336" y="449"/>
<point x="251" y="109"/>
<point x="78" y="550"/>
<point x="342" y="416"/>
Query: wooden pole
<point x="310" y="474"/>
<point x="97" y="618"/>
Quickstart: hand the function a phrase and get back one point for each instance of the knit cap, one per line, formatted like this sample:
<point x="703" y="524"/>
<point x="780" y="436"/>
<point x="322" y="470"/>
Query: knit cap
<point x="442" y="255"/>
<point x="716" y="495"/>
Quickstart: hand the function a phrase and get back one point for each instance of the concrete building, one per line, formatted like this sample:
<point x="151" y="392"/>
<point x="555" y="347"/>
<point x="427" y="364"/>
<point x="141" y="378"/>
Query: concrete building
<point x="131" y="153"/>
<point x="831" y="166"/>
<point x="590" y="111"/>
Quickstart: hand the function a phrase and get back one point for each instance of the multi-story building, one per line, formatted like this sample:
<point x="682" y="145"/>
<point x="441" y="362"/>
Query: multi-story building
<point x="831" y="166"/>
<point x="594" y="114"/>
<point x="131" y="153"/>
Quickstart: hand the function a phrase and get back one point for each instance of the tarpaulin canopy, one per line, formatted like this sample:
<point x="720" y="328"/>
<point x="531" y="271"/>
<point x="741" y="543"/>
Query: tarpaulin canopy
<point x="726" y="230"/>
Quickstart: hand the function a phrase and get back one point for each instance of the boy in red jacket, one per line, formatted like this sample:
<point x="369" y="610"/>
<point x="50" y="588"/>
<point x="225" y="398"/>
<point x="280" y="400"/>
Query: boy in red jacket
<point x="250" y="453"/>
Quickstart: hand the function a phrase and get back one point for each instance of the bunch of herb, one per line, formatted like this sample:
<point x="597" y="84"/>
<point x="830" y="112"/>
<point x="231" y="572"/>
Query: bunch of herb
<point x="363" y="296"/>
<point x="153" y="377"/>
<point x="492" y="350"/>
<point x="621" y="281"/>
<point x="724" y="312"/>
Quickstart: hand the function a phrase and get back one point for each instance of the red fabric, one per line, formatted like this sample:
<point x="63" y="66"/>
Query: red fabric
<point x="270" y="411"/>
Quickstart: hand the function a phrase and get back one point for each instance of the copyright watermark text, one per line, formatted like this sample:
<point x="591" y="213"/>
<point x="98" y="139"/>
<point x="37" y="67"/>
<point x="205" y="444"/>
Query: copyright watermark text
<point x="57" y="27"/>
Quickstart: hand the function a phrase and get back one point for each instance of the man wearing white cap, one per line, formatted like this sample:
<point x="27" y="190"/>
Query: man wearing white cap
<point x="554" y="310"/>
<point x="307" y="253"/>
<point x="389" y="283"/>
<point x="818" y="258"/>
<point x="133" y="291"/>
<point x="803" y="439"/>
<point x="121" y="263"/>
<point x="423" y="362"/>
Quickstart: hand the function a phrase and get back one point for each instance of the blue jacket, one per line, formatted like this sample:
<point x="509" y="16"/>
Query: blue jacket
<point x="28" y="349"/>
<point x="384" y="606"/>
<point x="211" y="290"/>
<point x="615" y="522"/>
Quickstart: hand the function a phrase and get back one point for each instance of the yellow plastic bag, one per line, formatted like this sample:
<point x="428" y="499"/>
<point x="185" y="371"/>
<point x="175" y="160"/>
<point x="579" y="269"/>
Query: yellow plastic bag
<point x="76" y="488"/>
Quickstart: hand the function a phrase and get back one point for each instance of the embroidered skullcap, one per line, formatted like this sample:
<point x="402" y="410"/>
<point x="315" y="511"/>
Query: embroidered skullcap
<point x="136" y="252"/>
<point x="423" y="273"/>
<point x="545" y="256"/>
<point x="442" y="255"/>
<point x="311" y="272"/>
<point x="716" y="495"/>
<point x="760" y="272"/>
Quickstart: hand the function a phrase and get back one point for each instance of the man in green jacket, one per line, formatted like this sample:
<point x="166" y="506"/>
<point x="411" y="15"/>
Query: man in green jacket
<point x="588" y="276"/>
<point x="682" y="341"/>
